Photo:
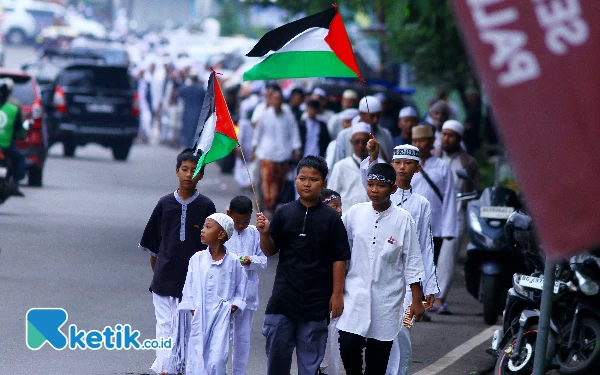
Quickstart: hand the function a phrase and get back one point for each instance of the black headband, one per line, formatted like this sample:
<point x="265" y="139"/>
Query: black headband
<point x="330" y="198"/>
<point x="380" y="177"/>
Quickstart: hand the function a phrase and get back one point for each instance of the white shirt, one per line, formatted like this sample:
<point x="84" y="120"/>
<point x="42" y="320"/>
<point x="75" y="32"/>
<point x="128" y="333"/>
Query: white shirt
<point x="455" y="165"/>
<point x="385" y="258"/>
<point x="247" y="243"/>
<point x="443" y="215"/>
<point x="345" y="178"/>
<point x="330" y="154"/>
<point x="343" y="148"/>
<point x="276" y="136"/>
<point x="420" y="210"/>
<point x="313" y="130"/>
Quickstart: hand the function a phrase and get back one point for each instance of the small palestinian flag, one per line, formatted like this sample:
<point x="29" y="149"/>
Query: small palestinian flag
<point x="215" y="136"/>
<point x="314" y="46"/>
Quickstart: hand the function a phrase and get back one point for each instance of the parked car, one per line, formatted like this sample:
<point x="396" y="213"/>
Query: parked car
<point x="89" y="102"/>
<point x="23" y="20"/>
<point x="35" y="146"/>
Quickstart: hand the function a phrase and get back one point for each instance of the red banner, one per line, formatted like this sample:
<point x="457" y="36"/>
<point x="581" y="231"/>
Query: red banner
<point x="539" y="61"/>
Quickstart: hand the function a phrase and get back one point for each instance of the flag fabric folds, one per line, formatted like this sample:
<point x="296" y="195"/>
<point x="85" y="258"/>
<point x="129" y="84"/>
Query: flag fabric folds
<point x="215" y="137"/>
<point x="314" y="46"/>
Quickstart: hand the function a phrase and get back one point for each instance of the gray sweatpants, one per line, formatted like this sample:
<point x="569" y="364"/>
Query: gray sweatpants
<point x="284" y="334"/>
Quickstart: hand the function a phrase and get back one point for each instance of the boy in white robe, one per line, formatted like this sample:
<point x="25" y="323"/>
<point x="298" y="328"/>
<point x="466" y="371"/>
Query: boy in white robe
<point x="385" y="258"/>
<point x="245" y="242"/>
<point x="214" y="290"/>
<point x="406" y="163"/>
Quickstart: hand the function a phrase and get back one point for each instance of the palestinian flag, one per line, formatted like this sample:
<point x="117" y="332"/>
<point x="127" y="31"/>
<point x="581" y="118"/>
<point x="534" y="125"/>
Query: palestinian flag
<point x="215" y="136"/>
<point x="314" y="46"/>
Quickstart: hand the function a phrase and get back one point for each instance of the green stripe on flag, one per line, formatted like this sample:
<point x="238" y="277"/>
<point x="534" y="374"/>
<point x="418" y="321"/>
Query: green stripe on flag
<point x="299" y="64"/>
<point x="221" y="146"/>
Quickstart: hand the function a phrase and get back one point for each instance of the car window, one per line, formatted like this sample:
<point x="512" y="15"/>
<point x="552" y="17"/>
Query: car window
<point x="24" y="93"/>
<point x="43" y="18"/>
<point x="110" y="56"/>
<point x="90" y="78"/>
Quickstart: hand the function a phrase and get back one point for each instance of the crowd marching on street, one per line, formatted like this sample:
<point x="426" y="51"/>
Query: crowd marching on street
<point x="349" y="279"/>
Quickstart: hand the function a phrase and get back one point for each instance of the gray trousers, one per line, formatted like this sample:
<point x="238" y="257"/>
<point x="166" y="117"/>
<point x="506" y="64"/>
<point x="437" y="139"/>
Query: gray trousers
<point x="284" y="334"/>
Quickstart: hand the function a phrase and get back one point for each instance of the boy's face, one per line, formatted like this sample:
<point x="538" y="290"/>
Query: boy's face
<point x="211" y="232"/>
<point x="379" y="192"/>
<point x="240" y="221"/>
<point x="185" y="173"/>
<point x="309" y="184"/>
<point x="336" y="204"/>
<point x="311" y="112"/>
<point x="405" y="168"/>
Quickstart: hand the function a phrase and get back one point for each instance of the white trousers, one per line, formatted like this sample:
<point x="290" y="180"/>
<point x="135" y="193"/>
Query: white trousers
<point x="447" y="259"/>
<point x="242" y="326"/>
<point x="401" y="354"/>
<point x="167" y="325"/>
<point x="145" y="122"/>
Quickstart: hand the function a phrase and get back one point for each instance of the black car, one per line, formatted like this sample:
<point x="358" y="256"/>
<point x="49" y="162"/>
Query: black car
<point x="92" y="103"/>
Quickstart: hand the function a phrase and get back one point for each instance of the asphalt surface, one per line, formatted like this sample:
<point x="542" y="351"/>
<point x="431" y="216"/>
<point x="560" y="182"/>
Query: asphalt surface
<point x="73" y="244"/>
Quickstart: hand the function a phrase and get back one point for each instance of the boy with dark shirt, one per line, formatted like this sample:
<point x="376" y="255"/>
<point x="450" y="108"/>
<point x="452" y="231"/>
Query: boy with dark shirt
<point x="313" y="249"/>
<point x="172" y="236"/>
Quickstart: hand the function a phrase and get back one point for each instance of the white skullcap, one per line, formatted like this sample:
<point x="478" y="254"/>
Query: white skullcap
<point x="408" y="112"/>
<point x="454" y="126"/>
<point x="319" y="91"/>
<point x="349" y="94"/>
<point x="406" y="152"/>
<point x="224" y="221"/>
<point x="355" y="120"/>
<point x="361" y="127"/>
<point x="373" y="107"/>
<point x="349" y="114"/>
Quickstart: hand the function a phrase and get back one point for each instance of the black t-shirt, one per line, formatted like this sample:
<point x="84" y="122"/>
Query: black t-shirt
<point x="308" y="240"/>
<point x="173" y="236"/>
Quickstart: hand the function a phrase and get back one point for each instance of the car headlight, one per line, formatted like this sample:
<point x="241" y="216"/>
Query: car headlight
<point x="474" y="220"/>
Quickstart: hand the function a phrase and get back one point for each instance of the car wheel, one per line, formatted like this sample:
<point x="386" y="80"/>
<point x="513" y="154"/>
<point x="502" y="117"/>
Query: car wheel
<point x="69" y="149"/>
<point x="121" y="150"/>
<point x="15" y="36"/>
<point x="35" y="176"/>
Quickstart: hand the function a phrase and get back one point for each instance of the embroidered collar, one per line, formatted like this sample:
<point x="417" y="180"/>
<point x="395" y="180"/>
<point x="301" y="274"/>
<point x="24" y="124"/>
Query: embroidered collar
<point x="187" y="201"/>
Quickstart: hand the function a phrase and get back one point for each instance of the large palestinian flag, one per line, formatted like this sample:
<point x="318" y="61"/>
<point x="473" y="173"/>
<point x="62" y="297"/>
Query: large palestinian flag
<point x="314" y="46"/>
<point x="215" y="137"/>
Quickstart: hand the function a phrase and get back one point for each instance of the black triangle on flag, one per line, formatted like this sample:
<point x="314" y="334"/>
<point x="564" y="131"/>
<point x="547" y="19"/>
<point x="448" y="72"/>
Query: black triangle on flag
<point x="208" y="108"/>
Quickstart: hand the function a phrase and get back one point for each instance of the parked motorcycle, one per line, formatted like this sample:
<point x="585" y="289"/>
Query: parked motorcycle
<point x="574" y="339"/>
<point x="490" y="262"/>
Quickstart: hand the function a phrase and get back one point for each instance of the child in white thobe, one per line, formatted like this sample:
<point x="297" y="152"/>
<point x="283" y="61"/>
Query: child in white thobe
<point x="245" y="242"/>
<point x="214" y="290"/>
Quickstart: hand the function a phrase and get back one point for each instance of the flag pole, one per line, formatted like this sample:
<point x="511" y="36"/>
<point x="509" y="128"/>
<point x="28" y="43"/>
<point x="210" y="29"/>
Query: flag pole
<point x="250" y="178"/>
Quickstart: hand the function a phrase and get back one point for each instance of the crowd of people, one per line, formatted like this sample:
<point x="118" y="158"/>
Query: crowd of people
<point x="366" y="225"/>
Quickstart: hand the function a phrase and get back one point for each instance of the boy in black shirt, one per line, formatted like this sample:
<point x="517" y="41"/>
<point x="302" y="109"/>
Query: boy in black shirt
<point x="172" y="236"/>
<point x="313" y="249"/>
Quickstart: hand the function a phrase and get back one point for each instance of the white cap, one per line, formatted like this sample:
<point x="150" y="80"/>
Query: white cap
<point x="454" y="126"/>
<point x="224" y="221"/>
<point x="406" y="152"/>
<point x="374" y="105"/>
<point x="361" y="127"/>
<point x="349" y="114"/>
<point x="319" y="91"/>
<point x="349" y="94"/>
<point x="408" y="112"/>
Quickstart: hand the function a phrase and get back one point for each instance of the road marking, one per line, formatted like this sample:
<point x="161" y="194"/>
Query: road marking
<point x="459" y="352"/>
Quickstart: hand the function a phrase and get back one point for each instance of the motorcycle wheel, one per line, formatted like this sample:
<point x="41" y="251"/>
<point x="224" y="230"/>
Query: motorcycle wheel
<point x="490" y="297"/>
<point x="524" y="364"/>
<point x="585" y="351"/>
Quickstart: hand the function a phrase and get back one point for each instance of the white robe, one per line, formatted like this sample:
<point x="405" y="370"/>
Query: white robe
<point x="385" y="258"/>
<point x="211" y="288"/>
<point x="443" y="215"/>
<point x="345" y="179"/>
